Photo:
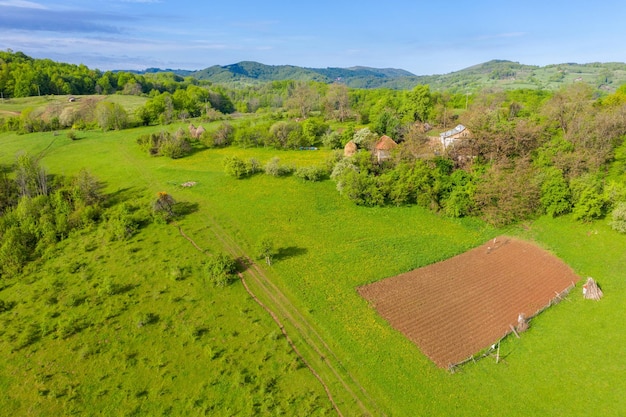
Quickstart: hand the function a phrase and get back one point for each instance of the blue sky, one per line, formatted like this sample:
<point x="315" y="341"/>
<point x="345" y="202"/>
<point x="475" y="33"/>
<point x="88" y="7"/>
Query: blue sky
<point x="433" y="37"/>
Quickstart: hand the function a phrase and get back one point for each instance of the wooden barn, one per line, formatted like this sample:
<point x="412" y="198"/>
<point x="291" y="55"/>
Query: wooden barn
<point x="383" y="148"/>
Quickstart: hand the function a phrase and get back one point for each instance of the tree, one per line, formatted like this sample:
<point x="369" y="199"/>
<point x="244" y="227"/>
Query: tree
<point x="588" y="197"/>
<point x="223" y="136"/>
<point x="266" y="250"/>
<point x="337" y="103"/>
<point x="302" y="99"/>
<point x="312" y="130"/>
<point x="111" y="116"/>
<point x="555" y="193"/>
<point x="30" y="178"/>
<point x="506" y="194"/>
<point x="618" y="222"/>
<point x="236" y="167"/>
<point x="418" y="104"/>
<point x="164" y="205"/>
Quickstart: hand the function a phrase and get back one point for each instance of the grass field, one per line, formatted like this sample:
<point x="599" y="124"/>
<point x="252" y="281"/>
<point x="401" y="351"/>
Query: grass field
<point x="568" y="363"/>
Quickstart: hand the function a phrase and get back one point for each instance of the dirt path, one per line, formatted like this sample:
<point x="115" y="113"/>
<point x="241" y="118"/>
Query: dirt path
<point x="342" y="389"/>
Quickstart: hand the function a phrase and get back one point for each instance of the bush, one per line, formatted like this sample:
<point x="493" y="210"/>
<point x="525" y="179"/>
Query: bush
<point x="71" y="134"/>
<point x="555" y="194"/>
<point x="274" y="168"/>
<point x="332" y="140"/>
<point x="121" y="222"/>
<point x="238" y="168"/>
<point x="312" y="173"/>
<point x="164" y="144"/>
<point x="619" y="218"/>
<point x="175" y="148"/>
<point x="221" y="270"/>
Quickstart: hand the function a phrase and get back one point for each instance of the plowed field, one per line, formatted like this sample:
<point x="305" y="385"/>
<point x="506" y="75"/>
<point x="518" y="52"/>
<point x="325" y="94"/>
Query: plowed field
<point x="455" y="308"/>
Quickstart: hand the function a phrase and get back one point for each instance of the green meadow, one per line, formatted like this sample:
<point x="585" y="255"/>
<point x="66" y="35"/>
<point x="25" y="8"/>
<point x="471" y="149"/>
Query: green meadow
<point x="135" y="328"/>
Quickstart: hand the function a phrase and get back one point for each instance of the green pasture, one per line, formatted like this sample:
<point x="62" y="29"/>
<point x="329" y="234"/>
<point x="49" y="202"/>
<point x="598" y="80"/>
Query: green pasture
<point x="568" y="363"/>
<point x="14" y="106"/>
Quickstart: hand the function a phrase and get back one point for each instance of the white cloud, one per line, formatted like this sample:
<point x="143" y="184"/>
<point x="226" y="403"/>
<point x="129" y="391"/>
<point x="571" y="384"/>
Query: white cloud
<point x="23" y="4"/>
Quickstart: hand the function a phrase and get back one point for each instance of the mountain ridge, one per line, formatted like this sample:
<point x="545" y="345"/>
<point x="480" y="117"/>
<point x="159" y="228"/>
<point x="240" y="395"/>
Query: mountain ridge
<point x="498" y="73"/>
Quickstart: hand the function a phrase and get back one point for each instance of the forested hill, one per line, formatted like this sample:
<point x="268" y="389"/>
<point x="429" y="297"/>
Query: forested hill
<point x="22" y="76"/>
<point x="248" y="71"/>
<point x="496" y="73"/>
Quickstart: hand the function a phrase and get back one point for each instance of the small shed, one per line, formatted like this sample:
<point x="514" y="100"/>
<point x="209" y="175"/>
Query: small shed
<point x="383" y="148"/>
<point x="350" y="149"/>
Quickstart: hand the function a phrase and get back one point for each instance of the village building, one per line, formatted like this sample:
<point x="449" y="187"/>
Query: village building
<point x="451" y="136"/>
<point x="383" y="148"/>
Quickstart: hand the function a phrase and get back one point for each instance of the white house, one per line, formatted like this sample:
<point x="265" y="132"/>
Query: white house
<point x="451" y="136"/>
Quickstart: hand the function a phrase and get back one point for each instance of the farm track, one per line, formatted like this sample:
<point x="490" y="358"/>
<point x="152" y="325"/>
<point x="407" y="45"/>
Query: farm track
<point x="313" y="351"/>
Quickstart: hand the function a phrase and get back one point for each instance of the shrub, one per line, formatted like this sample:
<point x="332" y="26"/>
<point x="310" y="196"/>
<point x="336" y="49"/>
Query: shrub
<point x="71" y="134"/>
<point x="144" y="319"/>
<point x="6" y="305"/>
<point x="238" y="168"/>
<point x="223" y="136"/>
<point x="332" y="140"/>
<point x="221" y="270"/>
<point x="619" y="218"/>
<point x="121" y="223"/>
<point x="164" y="144"/>
<point x="175" y="148"/>
<point x="312" y="173"/>
<point x="163" y="206"/>
<point x="555" y="194"/>
<point x="274" y="168"/>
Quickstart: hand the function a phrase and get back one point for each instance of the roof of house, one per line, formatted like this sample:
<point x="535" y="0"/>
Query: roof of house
<point x="458" y="129"/>
<point x="385" y="143"/>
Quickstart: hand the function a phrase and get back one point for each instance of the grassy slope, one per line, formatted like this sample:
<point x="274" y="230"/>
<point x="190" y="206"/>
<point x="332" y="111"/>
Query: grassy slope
<point x="563" y="365"/>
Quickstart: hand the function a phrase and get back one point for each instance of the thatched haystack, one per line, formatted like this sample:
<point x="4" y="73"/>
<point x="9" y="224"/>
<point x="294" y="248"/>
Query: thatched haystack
<point x="350" y="149"/>
<point x="194" y="132"/>
<point x="591" y="290"/>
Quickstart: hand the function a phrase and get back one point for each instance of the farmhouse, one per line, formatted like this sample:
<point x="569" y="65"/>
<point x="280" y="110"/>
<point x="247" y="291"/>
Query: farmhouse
<point x="383" y="148"/>
<point x="451" y="136"/>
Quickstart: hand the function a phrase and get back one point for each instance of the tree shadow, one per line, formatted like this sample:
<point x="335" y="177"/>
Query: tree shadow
<point x="119" y="196"/>
<point x="6" y="169"/>
<point x="289" y="252"/>
<point x="185" y="208"/>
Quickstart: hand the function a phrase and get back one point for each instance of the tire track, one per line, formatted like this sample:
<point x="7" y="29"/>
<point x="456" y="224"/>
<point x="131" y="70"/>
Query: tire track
<point x="326" y="360"/>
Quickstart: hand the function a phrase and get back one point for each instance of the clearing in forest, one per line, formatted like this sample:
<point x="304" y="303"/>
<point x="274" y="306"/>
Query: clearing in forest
<point x="455" y="308"/>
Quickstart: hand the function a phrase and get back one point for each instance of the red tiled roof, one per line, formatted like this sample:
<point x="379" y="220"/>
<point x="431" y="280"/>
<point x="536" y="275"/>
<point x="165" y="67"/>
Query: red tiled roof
<point x="385" y="143"/>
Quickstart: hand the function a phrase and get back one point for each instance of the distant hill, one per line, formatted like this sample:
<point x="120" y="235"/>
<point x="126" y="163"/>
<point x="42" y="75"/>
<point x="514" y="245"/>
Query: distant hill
<point x="497" y="73"/>
<point x="181" y="72"/>
<point x="252" y="72"/>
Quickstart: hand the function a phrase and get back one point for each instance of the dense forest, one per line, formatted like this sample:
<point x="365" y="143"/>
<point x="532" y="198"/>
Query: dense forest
<point x="530" y="151"/>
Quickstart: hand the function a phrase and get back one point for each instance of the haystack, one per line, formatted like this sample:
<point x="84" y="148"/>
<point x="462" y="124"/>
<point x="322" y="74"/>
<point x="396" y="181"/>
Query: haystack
<point x="591" y="291"/>
<point x="194" y="132"/>
<point x="350" y="149"/>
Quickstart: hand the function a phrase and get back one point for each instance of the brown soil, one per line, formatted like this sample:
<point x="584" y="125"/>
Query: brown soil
<point x="455" y="308"/>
